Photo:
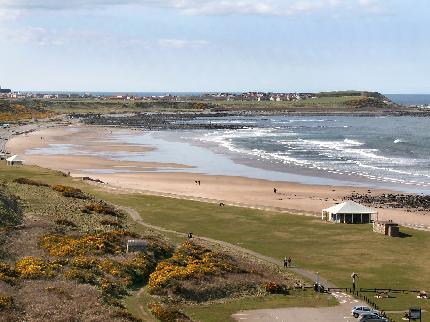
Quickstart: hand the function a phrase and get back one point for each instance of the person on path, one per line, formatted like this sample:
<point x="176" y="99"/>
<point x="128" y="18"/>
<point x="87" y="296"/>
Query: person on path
<point x="289" y="261"/>
<point x="354" y="277"/>
<point x="285" y="262"/>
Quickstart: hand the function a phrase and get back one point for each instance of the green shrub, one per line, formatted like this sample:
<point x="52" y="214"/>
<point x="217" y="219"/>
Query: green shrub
<point x="30" y="182"/>
<point x="70" y="192"/>
<point x="65" y="223"/>
<point x="10" y="210"/>
<point x="123" y="314"/>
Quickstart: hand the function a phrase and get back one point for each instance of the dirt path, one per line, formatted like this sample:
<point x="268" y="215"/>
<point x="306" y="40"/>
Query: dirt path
<point x="309" y="275"/>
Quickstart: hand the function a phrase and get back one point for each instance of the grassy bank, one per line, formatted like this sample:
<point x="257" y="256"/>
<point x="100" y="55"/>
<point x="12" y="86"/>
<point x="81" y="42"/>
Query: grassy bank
<point x="333" y="250"/>
<point x="38" y="190"/>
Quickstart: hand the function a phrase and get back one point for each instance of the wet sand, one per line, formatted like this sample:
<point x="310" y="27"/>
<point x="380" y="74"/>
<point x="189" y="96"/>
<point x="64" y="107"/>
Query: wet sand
<point x="158" y="178"/>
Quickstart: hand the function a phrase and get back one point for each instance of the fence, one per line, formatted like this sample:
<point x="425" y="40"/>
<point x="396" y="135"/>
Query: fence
<point x="368" y="300"/>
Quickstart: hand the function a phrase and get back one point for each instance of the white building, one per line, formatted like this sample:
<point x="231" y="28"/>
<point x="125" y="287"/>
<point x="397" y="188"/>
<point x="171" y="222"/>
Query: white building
<point x="14" y="160"/>
<point x="348" y="212"/>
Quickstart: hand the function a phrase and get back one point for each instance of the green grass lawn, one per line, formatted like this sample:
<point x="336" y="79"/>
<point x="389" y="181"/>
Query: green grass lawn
<point x="334" y="250"/>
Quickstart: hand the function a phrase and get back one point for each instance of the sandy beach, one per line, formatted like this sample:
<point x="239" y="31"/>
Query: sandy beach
<point x="158" y="178"/>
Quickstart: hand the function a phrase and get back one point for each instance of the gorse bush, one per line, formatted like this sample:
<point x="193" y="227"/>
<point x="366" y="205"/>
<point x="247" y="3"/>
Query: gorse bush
<point x="6" y="303"/>
<point x="18" y="112"/>
<point x="66" y="223"/>
<point x="114" y="277"/>
<point x="7" y="274"/>
<point x="103" y="208"/>
<point x="167" y="313"/>
<point x="190" y="261"/>
<point x="10" y="210"/>
<point x="275" y="288"/>
<point x="98" y="243"/>
<point x="30" y="182"/>
<point x="70" y="192"/>
<point x="32" y="268"/>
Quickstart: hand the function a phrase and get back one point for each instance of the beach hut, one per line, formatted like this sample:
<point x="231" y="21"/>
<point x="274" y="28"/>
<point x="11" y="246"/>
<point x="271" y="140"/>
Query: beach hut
<point x="14" y="160"/>
<point x="348" y="212"/>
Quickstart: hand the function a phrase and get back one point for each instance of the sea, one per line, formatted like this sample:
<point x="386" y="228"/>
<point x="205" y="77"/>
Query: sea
<point x="390" y="152"/>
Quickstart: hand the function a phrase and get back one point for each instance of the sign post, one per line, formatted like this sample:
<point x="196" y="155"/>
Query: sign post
<point x="415" y="314"/>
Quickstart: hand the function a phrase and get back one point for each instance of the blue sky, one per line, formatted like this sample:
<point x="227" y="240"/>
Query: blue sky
<point x="215" y="45"/>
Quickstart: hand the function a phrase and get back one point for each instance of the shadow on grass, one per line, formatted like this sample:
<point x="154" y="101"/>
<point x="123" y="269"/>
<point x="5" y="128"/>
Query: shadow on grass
<point x="404" y="235"/>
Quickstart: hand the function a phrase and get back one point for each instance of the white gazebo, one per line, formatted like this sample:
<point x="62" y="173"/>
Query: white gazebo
<point x="14" y="160"/>
<point x="348" y="212"/>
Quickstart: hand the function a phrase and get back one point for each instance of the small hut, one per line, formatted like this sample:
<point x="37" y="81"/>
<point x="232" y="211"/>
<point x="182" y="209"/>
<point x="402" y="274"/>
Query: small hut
<point x="137" y="245"/>
<point x="388" y="228"/>
<point x="14" y="160"/>
<point x="348" y="212"/>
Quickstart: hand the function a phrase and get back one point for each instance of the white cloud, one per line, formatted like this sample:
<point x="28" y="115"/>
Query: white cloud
<point x="180" y="43"/>
<point x="208" y="7"/>
<point x="46" y="37"/>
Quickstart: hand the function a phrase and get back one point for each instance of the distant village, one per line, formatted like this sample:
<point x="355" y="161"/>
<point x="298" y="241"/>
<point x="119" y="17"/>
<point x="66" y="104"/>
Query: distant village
<point x="248" y="96"/>
<point x="222" y="96"/>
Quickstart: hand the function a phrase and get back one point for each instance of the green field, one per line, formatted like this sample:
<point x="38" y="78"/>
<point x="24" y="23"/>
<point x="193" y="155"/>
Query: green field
<point x="333" y="250"/>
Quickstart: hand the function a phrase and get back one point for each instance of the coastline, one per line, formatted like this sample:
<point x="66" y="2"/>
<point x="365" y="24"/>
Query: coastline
<point x="162" y="179"/>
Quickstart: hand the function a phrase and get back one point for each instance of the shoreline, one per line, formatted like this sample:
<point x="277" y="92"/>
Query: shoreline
<point x="157" y="177"/>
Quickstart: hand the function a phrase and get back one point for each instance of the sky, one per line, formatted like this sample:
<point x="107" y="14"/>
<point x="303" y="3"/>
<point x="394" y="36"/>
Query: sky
<point x="215" y="45"/>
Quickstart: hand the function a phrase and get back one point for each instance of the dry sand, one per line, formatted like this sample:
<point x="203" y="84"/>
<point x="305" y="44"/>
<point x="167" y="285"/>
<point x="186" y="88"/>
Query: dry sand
<point x="294" y="197"/>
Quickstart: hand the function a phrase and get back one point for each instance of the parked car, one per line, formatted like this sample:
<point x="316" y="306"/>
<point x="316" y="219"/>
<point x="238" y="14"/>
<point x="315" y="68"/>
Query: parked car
<point x="358" y="310"/>
<point x="371" y="317"/>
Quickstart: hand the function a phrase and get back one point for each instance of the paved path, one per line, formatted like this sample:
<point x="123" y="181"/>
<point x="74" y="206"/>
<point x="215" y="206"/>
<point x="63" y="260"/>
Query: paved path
<point x="340" y="313"/>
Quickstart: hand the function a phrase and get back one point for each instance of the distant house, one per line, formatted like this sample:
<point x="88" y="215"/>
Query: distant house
<point x="5" y="90"/>
<point x="14" y="160"/>
<point x="348" y="212"/>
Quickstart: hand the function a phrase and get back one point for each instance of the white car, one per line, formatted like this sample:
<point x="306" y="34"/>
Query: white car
<point x="358" y="310"/>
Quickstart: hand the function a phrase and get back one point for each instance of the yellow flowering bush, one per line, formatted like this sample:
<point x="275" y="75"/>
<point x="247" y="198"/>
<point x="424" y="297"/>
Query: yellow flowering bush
<point x="103" y="208"/>
<point x="32" y="267"/>
<point x="82" y="276"/>
<point x="83" y="262"/>
<point x="98" y="243"/>
<point x="110" y="267"/>
<point x="112" y="288"/>
<point x="166" y="313"/>
<point x="6" y="303"/>
<point x="190" y="261"/>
